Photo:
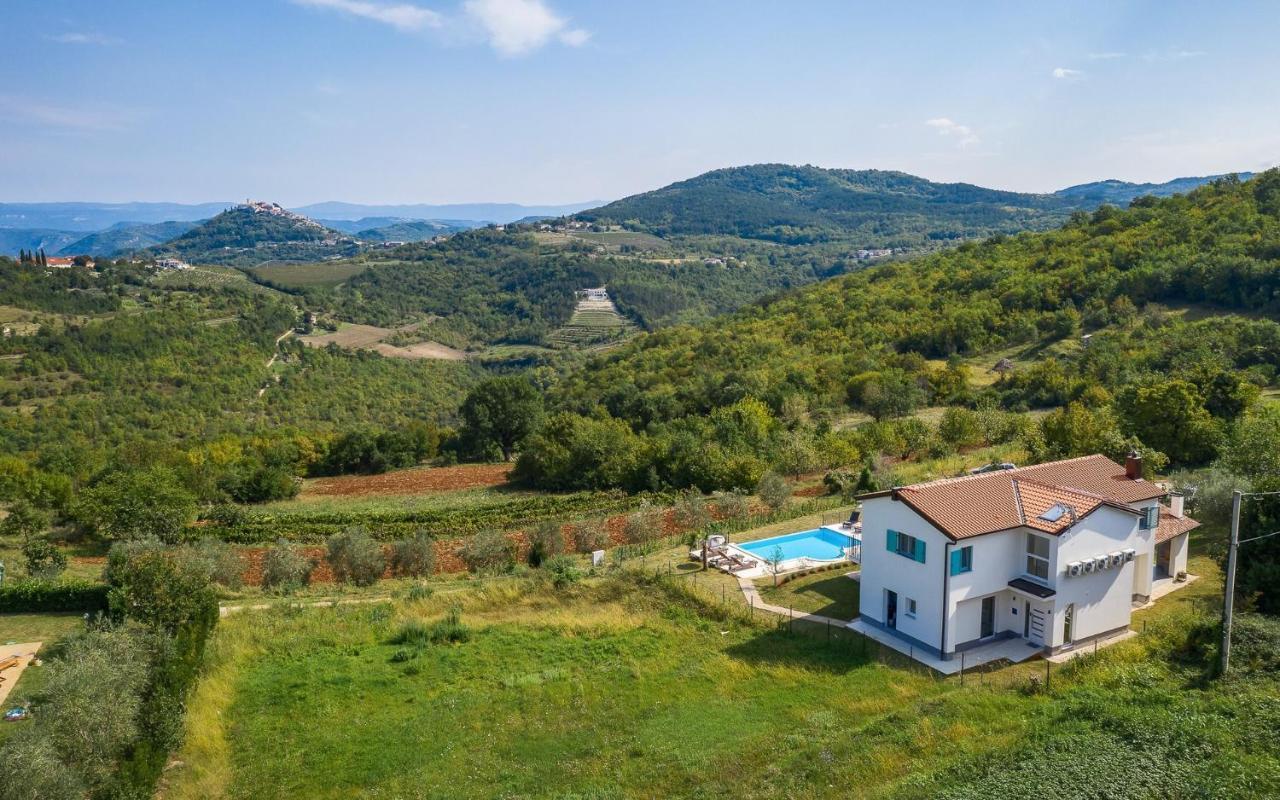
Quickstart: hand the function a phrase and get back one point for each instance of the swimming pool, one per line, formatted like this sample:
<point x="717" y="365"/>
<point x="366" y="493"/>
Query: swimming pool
<point x="819" y="544"/>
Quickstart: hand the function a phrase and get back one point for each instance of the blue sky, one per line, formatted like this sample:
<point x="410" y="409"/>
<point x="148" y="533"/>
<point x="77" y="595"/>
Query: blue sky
<point x="549" y="101"/>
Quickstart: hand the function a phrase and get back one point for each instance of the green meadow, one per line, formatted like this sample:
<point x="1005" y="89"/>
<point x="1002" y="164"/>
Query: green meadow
<point x="626" y="686"/>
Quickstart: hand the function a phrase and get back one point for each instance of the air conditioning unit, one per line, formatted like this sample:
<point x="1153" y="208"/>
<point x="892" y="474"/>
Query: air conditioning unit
<point x="1090" y="565"/>
<point x="1115" y="559"/>
<point x="1075" y="568"/>
<point x="1130" y="555"/>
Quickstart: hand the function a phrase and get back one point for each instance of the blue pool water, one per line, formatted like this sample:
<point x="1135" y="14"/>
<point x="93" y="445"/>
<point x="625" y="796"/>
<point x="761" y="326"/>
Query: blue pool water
<point x="822" y="544"/>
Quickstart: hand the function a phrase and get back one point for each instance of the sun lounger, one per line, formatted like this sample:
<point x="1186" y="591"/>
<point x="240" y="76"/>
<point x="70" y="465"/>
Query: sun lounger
<point x="9" y="663"/>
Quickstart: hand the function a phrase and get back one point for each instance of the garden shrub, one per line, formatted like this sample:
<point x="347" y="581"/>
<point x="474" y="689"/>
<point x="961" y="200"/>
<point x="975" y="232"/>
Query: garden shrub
<point x="732" y="505"/>
<point x="414" y="557"/>
<point x="355" y="557"/>
<point x="67" y="595"/>
<point x="488" y="551"/>
<point x="284" y="569"/>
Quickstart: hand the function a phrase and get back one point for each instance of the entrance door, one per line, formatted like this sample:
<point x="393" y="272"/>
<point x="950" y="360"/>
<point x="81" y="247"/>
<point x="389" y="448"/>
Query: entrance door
<point x="988" y="617"/>
<point x="1026" y="620"/>
<point x="891" y="609"/>
<point x="1068" y="622"/>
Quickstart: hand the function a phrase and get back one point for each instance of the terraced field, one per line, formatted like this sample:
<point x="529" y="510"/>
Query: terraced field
<point x="595" y="322"/>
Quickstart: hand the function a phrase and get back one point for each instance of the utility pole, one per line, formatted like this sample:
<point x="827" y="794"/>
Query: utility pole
<point x="1228" y="600"/>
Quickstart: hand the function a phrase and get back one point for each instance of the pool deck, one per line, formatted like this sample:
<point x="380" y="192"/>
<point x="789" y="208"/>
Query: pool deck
<point x="761" y="570"/>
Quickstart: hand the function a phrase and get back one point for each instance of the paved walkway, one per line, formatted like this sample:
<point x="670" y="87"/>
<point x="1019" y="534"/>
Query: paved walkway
<point x="1014" y="650"/>
<point x="25" y="652"/>
<point x="753" y="599"/>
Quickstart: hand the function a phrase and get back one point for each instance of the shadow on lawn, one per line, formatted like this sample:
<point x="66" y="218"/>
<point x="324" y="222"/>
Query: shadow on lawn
<point x="836" y="596"/>
<point x="809" y="646"/>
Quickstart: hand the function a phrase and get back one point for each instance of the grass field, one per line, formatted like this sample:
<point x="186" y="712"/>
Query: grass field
<point x="370" y="337"/>
<point x="624" y="688"/>
<point x="313" y="274"/>
<point x="831" y="594"/>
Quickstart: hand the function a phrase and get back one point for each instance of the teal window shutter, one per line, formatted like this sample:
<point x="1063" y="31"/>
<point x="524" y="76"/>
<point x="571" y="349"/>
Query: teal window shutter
<point x="920" y="550"/>
<point x="956" y="562"/>
<point x="893" y="541"/>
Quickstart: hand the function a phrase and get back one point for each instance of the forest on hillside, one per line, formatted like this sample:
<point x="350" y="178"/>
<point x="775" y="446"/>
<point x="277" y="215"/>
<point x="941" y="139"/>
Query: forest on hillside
<point x="715" y="405"/>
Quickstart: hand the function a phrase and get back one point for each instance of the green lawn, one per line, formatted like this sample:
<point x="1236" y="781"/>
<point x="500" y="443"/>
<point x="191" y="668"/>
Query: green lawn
<point x="831" y="594"/>
<point x="623" y="688"/>
<point x="45" y="627"/>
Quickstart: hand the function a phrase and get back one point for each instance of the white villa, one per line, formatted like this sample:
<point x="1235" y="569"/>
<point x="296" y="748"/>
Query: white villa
<point x="1047" y="556"/>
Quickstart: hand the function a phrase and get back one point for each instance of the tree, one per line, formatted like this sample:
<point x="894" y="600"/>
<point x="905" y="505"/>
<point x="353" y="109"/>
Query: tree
<point x="284" y="569"/>
<point x="644" y="525"/>
<point x="355" y="557"/>
<point x="1170" y="416"/>
<point x="691" y="511"/>
<point x="590" y="535"/>
<point x="488" y="551"/>
<point x="43" y="558"/>
<point x="163" y="587"/>
<point x="774" y="562"/>
<point x="414" y="557"/>
<point x="1254" y="451"/>
<point x="24" y="520"/>
<point x="545" y="542"/>
<point x="501" y="412"/>
<point x="1258" y="562"/>
<point x="773" y="490"/>
<point x="135" y="505"/>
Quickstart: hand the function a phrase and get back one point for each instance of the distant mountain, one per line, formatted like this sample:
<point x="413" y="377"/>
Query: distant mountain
<point x="410" y="230"/>
<point x="479" y="212"/>
<point x="52" y="241"/>
<point x="798" y="205"/>
<point x="257" y="232"/>
<point x="126" y="237"/>
<point x="1121" y="193"/>
<point x="89" y="217"/>
<point x="366" y="224"/>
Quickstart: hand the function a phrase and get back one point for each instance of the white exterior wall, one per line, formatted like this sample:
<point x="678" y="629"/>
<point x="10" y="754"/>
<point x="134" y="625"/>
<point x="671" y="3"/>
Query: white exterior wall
<point x="883" y="570"/>
<point x="997" y="558"/>
<point x="1103" y="600"/>
<point x="1178" y="547"/>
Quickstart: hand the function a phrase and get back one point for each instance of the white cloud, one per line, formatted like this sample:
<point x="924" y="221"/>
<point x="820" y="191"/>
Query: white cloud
<point x="401" y="16"/>
<point x="517" y="27"/>
<point x="965" y="135"/>
<point x="1106" y="56"/>
<point x="1062" y="73"/>
<point x="1173" y="54"/>
<point x="82" y="37"/>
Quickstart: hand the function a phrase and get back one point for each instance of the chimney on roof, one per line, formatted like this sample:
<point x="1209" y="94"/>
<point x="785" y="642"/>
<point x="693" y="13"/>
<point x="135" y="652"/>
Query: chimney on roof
<point x="1175" y="504"/>
<point x="1133" y="465"/>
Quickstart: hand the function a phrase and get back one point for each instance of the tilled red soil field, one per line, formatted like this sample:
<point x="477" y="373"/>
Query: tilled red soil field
<point x="410" y="481"/>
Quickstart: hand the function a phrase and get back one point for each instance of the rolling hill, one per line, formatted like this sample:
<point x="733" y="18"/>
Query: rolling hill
<point x="1179" y="296"/>
<point x="255" y="233"/>
<point x="1121" y="193"/>
<point x="125" y="237"/>
<point x="865" y="208"/>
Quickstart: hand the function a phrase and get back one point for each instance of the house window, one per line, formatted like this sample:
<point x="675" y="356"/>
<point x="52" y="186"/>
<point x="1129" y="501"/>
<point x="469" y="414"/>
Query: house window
<point x="911" y="607"/>
<point x="905" y="545"/>
<point x="1038" y="557"/>
<point x="1150" y="518"/>
<point x="961" y="560"/>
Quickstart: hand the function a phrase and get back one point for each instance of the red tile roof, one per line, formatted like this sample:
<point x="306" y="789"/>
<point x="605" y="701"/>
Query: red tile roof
<point x="972" y="505"/>
<point x="1171" y="526"/>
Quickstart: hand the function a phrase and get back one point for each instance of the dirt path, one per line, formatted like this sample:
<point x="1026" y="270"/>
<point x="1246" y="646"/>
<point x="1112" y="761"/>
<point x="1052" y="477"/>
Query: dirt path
<point x="271" y="362"/>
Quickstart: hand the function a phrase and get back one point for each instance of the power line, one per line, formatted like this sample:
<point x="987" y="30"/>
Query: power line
<point x="1256" y="538"/>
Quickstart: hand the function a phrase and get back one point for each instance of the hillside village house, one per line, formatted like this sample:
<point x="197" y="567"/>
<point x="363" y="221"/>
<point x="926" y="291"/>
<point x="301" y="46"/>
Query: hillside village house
<point x="1050" y="556"/>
